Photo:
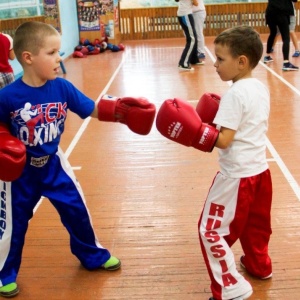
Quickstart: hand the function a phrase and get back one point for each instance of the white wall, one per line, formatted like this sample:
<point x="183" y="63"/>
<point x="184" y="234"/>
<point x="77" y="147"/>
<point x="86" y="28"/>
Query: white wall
<point x="69" y="25"/>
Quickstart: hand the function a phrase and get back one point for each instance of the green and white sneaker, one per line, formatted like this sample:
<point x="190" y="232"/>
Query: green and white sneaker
<point x="112" y="264"/>
<point x="10" y="290"/>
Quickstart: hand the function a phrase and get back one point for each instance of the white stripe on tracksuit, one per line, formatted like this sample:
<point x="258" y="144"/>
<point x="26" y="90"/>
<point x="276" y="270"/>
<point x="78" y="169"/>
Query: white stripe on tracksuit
<point x="5" y="222"/>
<point x="187" y="27"/>
<point x="57" y="182"/>
<point x="236" y="208"/>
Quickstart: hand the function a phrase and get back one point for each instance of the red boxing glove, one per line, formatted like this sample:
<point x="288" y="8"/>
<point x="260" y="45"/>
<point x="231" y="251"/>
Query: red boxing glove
<point x="137" y="113"/>
<point x="178" y="121"/>
<point x="208" y="106"/>
<point x="12" y="155"/>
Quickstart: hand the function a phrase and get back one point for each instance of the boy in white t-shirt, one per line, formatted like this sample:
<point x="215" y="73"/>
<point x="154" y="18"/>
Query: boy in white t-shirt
<point x="238" y="204"/>
<point x="199" y="14"/>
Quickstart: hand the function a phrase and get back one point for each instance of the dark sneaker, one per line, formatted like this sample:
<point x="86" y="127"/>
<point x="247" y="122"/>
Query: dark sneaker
<point x="268" y="59"/>
<point x="296" y="54"/>
<point x="289" y="67"/>
<point x="243" y="266"/>
<point x="182" y="68"/>
<point x="201" y="56"/>
<point x="112" y="264"/>
<point x="10" y="290"/>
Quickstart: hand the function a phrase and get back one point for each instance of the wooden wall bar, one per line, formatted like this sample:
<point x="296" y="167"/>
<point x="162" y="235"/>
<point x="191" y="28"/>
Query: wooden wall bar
<point x="161" y="22"/>
<point x="9" y="26"/>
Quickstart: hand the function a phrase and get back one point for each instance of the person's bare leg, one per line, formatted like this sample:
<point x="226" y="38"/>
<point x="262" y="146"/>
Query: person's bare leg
<point x="295" y="43"/>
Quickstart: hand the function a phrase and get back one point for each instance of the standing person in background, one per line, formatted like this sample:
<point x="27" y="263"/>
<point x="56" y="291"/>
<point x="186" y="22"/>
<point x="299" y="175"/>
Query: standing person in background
<point x="6" y="53"/>
<point x="293" y="34"/>
<point x="186" y="21"/>
<point x="278" y="14"/>
<point x="199" y="14"/>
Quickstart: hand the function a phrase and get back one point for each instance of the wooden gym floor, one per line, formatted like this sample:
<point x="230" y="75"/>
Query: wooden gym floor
<point x="145" y="193"/>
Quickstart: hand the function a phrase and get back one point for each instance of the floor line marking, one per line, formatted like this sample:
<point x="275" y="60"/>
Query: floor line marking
<point x="87" y="120"/>
<point x="294" y="89"/>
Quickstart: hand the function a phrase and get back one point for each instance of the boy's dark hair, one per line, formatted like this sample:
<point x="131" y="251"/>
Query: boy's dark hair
<point x="242" y="40"/>
<point x="30" y="36"/>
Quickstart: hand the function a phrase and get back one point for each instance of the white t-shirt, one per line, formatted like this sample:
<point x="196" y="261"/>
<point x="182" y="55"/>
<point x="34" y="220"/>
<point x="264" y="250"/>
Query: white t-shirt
<point x="244" y="108"/>
<point x="200" y="6"/>
<point x="185" y="7"/>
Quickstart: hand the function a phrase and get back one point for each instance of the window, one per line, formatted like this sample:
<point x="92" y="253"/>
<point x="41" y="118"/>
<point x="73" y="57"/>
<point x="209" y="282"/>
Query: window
<point x="159" y="3"/>
<point x="20" y="8"/>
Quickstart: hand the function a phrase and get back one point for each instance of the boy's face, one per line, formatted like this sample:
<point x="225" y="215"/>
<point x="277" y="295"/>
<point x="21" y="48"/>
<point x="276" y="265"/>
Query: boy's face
<point x="228" y="67"/>
<point x="46" y="63"/>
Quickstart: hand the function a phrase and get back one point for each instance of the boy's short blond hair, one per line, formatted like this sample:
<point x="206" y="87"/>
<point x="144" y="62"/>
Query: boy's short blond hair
<point x="30" y="36"/>
<point x="242" y="40"/>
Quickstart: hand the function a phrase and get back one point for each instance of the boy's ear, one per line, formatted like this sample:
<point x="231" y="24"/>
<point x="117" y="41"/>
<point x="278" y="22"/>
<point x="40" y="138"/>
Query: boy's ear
<point x="27" y="57"/>
<point x="243" y="60"/>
